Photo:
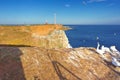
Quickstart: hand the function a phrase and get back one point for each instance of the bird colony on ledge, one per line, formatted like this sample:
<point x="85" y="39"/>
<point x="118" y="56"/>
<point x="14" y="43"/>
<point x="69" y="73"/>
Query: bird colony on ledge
<point x="112" y="51"/>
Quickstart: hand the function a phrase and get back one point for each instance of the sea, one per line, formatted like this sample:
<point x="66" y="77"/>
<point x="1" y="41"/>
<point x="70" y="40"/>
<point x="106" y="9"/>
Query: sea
<point x="90" y="35"/>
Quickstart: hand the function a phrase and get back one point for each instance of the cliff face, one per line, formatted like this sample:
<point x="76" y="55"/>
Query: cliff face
<point x="33" y="63"/>
<point x="57" y="39"/>
<point x="47" y="36"/>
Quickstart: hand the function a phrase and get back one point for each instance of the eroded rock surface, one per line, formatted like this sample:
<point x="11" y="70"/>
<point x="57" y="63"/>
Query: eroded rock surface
<point x="30" y="63"/>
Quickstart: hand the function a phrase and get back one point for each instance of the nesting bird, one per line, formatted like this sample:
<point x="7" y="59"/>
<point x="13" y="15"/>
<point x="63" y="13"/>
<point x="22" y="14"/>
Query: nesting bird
<point x="100" y="51"/>
<point x="115" y="62"/>
<point x="105" y="49"/>
<point x="115" y="54"/>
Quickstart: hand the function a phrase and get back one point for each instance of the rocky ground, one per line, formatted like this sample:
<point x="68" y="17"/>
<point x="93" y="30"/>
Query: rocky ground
<point x="35" y="63"/>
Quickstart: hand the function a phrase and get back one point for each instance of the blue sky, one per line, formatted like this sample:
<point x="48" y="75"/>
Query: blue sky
<point x="67" y="11"/>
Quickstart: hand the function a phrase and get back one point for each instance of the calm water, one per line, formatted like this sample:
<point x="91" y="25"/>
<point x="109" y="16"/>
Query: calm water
<point x="89" y="35"/>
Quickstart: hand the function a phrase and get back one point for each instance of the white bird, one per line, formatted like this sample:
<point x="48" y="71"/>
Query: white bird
<point x="115" y="62"/>
<point x="105" y="49"/>
<point x="100" y="51"/>
<point x="114" y="50"/>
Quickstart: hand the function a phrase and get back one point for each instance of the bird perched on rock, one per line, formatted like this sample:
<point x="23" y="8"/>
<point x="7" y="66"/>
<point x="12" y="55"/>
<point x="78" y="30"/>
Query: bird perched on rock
<point x="115" y="62"/>
<point x="105" y="49"/>
<point x="115" y="52"/>
<point x="100" y="51"/>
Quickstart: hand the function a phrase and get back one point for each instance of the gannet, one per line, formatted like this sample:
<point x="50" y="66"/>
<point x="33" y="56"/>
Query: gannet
<point x="115" y="62"/>
<point x="113" y="48"/>
<point x="105" y="49"/>
<point x="100" y="51"/>
<point x="115" y="51"/>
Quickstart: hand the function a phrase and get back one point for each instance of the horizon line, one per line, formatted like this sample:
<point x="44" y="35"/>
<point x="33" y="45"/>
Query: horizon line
<point x="56" y="23"/>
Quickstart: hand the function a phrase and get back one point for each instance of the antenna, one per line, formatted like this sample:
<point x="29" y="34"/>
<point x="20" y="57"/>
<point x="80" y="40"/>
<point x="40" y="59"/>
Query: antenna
<point x="55" y="18"/>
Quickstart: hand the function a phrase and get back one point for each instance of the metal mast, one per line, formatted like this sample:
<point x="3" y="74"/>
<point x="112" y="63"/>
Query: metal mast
<point x="55" y="18"/>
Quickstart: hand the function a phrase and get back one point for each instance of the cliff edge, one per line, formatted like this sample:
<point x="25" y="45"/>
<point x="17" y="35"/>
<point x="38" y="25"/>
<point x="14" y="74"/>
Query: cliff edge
<point x="47" y="36"/>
